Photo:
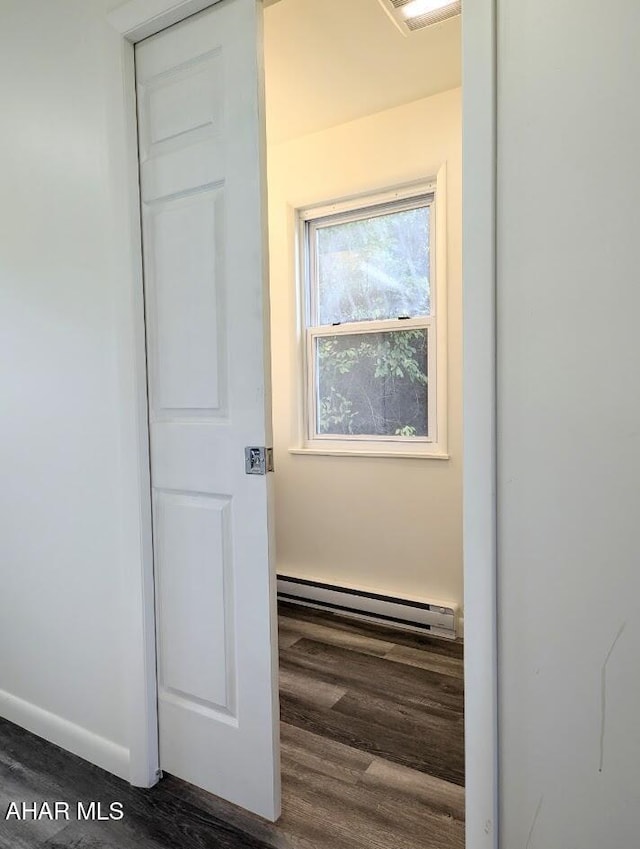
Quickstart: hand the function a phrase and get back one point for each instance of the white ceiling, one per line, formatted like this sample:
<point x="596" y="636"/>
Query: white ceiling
<point x="331" y="61"/>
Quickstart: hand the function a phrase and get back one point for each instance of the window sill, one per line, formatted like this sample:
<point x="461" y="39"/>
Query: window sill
<point x="398" y="455"/>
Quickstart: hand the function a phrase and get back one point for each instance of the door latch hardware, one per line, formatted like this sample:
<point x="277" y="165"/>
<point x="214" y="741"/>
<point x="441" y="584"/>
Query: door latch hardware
<point x="258" y="461"/>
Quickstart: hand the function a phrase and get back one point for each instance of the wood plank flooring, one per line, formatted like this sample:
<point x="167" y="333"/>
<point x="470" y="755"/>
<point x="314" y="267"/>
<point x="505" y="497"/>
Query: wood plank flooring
<point x="372" y="757"/>
<point x="33" y="770"/>
<point x="372" y="735"/>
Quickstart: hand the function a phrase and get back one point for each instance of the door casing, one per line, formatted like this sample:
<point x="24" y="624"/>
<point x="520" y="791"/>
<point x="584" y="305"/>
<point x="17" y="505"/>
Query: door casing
<point x="137" y="19"/>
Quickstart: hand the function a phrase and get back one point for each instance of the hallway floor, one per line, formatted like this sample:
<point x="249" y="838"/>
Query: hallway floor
<point x="372" y="756"/>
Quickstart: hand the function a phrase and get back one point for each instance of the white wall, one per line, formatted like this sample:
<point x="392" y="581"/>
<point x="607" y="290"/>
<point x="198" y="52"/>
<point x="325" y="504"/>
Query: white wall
<point x="65" y="268"/>
<point x="569" y="422"/>
<point x="392" y="525"/>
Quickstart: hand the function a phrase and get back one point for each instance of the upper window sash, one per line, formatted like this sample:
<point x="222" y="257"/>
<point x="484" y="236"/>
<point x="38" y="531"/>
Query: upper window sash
<point x="361" y="210"/>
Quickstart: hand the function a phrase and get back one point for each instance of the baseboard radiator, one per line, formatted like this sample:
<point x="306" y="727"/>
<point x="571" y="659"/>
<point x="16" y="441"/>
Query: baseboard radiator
<point x="410" y="614"/>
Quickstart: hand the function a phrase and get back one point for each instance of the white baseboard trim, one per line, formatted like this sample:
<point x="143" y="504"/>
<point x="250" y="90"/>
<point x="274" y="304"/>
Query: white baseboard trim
<point x="93" y="748"/>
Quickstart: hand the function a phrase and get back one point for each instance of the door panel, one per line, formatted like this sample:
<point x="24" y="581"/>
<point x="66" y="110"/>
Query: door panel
<point x="195" y="599"/>
<point x="184" y="247"/>
<point x="203" y="211"/>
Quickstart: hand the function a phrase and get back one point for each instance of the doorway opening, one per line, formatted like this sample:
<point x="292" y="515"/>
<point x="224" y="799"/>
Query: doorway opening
<point x="382" y="182"/>
<point x="364" y="141"/>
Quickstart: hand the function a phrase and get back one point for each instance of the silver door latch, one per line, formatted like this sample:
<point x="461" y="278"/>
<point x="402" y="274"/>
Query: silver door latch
<point x="258" y="461"/>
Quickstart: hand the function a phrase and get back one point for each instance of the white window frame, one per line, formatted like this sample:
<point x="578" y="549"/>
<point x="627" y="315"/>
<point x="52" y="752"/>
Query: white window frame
<point x="430" y="193"/>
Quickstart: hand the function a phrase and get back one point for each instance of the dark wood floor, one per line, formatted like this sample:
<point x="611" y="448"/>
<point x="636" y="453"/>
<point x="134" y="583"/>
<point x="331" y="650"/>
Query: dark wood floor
<point x="372" y="756"/>
<point x="372" y="735"/>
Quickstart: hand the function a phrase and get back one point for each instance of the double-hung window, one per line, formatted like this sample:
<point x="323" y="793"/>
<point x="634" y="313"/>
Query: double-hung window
<point x="371" y="325"/>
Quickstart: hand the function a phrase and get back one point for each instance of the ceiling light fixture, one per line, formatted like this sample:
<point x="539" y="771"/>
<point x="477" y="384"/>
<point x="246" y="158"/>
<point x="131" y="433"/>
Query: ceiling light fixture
<point x="412" y="15"/>
<point x="416" y="8"/>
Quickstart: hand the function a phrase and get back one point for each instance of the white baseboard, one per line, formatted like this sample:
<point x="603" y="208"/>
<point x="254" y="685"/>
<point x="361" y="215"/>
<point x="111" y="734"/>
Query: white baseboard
<point x="93" y="748"/>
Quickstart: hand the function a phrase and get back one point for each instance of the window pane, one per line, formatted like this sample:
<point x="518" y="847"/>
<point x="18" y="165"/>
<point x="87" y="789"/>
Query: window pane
<point x="375" y="268"/>
<point x="372" y="384"/>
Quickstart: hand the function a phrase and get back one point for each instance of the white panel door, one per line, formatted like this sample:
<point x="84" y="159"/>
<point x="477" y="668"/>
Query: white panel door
<point x="203" y="190"/>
